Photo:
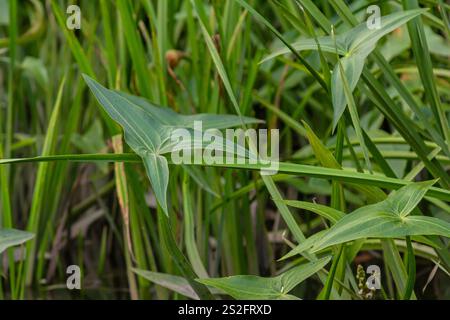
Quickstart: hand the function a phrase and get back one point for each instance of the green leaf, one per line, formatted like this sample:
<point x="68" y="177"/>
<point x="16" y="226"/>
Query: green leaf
<point x="352" y="68"/>
<point x="321" y="152"/>
<point x="354" y="45"/>
<point x="350" y="102"/>
<point x="158" y="172"/>
<point x="12" y="237"/>
<point x="168" y="117"/>
<point x="148" y="130"/>
<point x="363" y="40"/>
<point x="326" y="44"/>
<point x="327" y="212"/>
<point x="358" y="40"/>
<point x="175" y="283"/>
<point x="404" y="200"/>
<point x="259" y="288"/>
<point x="386" y="219"/>
<point x="43" y="177"/>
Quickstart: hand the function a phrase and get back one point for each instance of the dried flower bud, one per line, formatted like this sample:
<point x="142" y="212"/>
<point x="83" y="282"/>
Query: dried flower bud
<point x="173" y="57"/>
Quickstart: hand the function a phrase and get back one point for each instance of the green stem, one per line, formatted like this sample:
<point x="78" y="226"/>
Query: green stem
<point x="411" y="270"/>
<point x="284" y="167"/>
<point x="325" y="295"/>
<point x="180" y="260"/>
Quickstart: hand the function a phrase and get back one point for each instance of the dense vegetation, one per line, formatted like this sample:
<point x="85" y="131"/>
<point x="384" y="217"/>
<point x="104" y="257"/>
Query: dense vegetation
<point x="86" y="176"/>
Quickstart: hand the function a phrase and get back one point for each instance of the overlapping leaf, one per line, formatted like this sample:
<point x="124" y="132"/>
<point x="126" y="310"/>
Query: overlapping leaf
<point x="148" y="130"/>
<point x="326" y="212"/>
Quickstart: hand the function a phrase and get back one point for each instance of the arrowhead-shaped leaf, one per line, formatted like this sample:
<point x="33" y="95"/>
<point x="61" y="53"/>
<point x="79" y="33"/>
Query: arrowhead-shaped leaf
<point x="387" y="219"/>
<point x="354" y="45"/>
<point x="359" y="39"/>
<point x="148" y="128"/>
<point x="259" y="288"/>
